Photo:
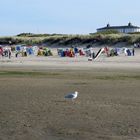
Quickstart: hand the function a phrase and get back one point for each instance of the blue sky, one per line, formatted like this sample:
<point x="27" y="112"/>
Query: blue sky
<point x="65" y="16"/>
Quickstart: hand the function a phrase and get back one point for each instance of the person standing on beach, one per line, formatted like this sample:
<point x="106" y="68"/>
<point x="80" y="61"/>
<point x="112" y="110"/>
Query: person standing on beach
<point x="9" y="53"/>
<point x="1" y="51"/>
<point x="133" y="51"/>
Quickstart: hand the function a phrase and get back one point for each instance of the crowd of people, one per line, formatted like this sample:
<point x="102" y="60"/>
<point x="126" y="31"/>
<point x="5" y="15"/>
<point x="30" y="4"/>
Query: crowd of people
<point x="23" y="51"/>
<point x="87" y="51"/>
<point x="70" y="52"/>
<point x="5" y="52"/>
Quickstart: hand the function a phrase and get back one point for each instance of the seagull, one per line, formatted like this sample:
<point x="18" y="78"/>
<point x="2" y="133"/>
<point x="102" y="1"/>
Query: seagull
<point x="72" y="95"/>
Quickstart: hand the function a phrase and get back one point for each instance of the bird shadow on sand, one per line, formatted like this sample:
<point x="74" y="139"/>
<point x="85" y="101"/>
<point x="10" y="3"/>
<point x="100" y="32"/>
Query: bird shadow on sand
<point x="59" y="101"/>
<point x="65" y="101"/>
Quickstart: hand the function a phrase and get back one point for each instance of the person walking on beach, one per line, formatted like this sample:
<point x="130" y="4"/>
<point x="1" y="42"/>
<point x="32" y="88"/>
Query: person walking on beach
<point x="1" y="51"/>
<point x="133" y="51"/>
<point x="9" y="53"/>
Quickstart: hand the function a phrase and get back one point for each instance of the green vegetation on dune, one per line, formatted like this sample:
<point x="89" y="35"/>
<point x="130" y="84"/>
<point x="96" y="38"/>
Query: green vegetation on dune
<point x="108" y="38"/>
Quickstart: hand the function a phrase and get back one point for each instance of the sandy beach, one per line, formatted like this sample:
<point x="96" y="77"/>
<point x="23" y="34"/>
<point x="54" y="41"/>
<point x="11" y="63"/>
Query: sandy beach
<point x="79" y="62"/>
<point x="32" y="104"/>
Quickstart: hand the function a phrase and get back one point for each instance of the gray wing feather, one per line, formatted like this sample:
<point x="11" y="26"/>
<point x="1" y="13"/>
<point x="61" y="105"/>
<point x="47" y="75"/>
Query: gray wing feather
<point x="69" y="96"/>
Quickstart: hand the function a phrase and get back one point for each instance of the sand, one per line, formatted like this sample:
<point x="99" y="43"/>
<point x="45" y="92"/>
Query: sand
<point x="119" y="62"/>
<point x="32" y="104"/>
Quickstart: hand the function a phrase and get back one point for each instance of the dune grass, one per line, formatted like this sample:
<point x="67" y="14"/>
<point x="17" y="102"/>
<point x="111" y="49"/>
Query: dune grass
<point x="66" y="40"/>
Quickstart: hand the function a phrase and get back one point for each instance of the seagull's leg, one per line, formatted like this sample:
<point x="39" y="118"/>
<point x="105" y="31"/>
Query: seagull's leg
<point x="73" y="101"/>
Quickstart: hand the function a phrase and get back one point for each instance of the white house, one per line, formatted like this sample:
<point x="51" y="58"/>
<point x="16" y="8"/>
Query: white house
<point x="122" y="29"/>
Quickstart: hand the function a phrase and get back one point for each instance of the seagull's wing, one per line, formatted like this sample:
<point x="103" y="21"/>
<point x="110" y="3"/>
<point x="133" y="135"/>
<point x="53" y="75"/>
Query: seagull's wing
<point x="69" y="96"/>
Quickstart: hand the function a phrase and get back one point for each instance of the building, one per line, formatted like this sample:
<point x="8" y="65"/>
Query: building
<point x="122" y="29"/>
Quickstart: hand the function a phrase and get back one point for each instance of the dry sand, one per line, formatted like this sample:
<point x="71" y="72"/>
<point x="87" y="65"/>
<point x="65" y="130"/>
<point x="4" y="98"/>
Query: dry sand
<point x="32" y="105"/>
<point x="56" y="62"/>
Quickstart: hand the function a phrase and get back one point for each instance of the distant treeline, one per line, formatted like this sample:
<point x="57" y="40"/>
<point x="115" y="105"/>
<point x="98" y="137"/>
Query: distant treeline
<point x="108" y="38"/>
